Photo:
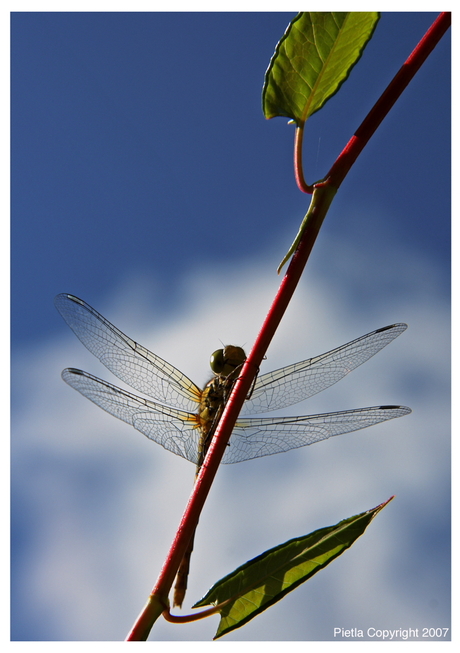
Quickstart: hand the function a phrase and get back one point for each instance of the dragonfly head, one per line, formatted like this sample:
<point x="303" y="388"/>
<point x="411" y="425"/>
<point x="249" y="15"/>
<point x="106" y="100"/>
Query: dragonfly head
<point x="227" y="360"/>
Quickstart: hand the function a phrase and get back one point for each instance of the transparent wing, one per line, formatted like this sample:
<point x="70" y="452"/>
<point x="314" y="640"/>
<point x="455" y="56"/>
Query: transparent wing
<point x="253" y="438"/>
<point x="294" y="383"/>
<point x="175" y="430"/>
<point x="129" y="361"/>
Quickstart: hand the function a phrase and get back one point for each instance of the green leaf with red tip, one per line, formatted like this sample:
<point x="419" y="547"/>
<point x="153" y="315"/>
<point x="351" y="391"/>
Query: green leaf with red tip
<point x="261" y="582"/>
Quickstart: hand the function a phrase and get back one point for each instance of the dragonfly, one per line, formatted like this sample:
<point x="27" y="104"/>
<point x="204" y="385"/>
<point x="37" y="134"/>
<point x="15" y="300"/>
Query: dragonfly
<point x="182" y="417"/>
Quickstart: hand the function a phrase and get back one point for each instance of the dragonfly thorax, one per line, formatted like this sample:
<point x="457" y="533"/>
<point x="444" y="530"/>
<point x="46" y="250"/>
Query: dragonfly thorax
<point x="226" y="364"/>
<point x="212" y="404"/>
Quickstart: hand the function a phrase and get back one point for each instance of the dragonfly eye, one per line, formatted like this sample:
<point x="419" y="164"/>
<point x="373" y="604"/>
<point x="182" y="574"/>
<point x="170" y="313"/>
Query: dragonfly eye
<point x="225" y="361"/>
<point x="217" y="361"/>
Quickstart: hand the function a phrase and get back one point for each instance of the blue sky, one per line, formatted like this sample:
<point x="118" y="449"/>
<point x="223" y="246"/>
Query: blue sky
<point x="146" y="180"/>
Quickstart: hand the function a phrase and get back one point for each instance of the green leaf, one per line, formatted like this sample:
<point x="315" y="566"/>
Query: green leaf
<point x="313" y="59"/>
<point x="261" y="582"/>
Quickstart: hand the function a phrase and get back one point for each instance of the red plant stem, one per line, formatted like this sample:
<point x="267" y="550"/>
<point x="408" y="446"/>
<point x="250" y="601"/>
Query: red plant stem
<point x="218" y="445"/>
<point x="287" y="287"/>
<point x="383" y="105"/>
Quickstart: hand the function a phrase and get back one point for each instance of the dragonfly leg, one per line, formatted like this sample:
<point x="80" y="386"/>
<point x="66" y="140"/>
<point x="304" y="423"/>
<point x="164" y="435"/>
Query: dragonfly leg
<point x="251" y="389"/>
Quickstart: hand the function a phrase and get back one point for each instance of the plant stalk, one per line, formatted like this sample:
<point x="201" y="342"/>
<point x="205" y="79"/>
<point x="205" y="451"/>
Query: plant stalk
<point x="323" y="195"/>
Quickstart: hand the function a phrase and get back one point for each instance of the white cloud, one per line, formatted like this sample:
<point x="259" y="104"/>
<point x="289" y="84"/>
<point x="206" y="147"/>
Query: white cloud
<point x="97" y="504"/>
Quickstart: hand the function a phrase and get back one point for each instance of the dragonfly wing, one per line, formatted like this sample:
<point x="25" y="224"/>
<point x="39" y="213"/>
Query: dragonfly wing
<point x="129" y="361"/>
<point x="253" y="438"/>
<point x="294" y="383"/>
<point x="174" y="429"/>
